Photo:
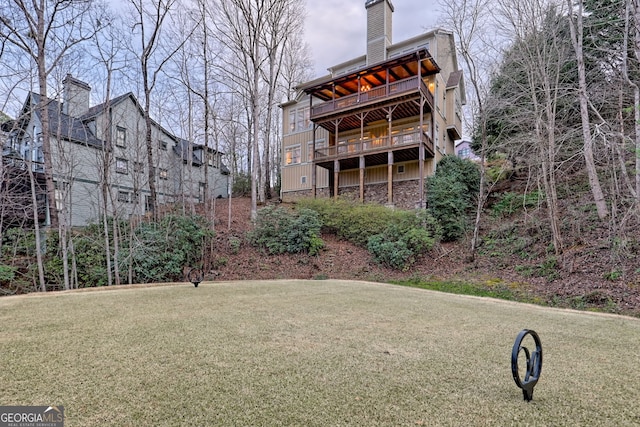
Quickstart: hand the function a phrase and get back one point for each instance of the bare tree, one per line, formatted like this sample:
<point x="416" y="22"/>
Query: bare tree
<point x="577" y="30"/>
<point x="108" y="51"/>
<point x="240" y="25"/>
<point x="46" y="31"/>
<point x="539" y="54"/>
<point x="283" y="22"/>
<point x="632" y="16"/>
<point x="150" y="19"/>
<point x="471" y="21"/>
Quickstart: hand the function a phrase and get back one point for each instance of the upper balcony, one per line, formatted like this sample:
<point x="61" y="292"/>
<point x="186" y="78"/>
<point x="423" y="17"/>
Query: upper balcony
<point x="391" y="88"/>
<point x="369" y="97"/>
<point x="405" y="146"/>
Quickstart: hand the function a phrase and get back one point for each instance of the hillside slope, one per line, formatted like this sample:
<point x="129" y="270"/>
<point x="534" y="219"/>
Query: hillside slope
<point x="514" y="255"/>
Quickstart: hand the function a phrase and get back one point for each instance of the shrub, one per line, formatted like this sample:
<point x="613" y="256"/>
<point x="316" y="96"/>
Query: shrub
<point x="394" y="237"/>
<point x="163" y="248"/>
<point x="349" y="220"/>
<point x="7" y="273"/>
<point x="394" y="254"/>
<point x="450" y="194"/>
<point x="399" y="245"/>
<point x="280" y="231"/>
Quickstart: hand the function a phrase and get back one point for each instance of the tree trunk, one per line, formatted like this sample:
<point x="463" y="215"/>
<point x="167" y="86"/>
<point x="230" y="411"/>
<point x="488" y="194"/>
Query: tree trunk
<point x="594" y="182"/>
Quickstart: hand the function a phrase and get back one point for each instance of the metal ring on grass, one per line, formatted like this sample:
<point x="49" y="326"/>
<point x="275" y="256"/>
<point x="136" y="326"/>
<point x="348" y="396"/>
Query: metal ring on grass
<point x="534" y="363"/>
<point x="195" y="276"/>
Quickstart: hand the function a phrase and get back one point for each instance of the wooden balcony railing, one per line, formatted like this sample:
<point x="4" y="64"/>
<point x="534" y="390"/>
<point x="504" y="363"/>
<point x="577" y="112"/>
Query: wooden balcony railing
<point x="356" y="148"/>
<point x="411" y="84"/>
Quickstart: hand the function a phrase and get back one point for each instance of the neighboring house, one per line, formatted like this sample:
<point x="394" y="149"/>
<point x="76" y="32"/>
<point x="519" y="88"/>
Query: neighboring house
<point x="464" y="150"/>
<point x="80" y="150"/>
<point x="376" y="126"/>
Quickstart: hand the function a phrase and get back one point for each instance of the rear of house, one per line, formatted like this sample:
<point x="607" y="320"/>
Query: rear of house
<point x="375" y="127"/>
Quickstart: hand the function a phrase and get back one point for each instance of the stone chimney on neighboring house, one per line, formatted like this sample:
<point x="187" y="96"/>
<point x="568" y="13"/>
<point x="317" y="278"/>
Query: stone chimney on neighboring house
<point x="378" y="29"/>
<point x="75" y="96"/>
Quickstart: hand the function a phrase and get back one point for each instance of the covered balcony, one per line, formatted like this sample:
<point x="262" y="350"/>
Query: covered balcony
<point x="376" y="96"/>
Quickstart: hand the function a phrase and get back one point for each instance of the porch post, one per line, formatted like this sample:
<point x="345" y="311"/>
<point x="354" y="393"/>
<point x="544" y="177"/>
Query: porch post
<point x="420" y="138"/>
<point x="390" y="178"/>
<point x="314" y="185"/>
<point x="336" y="178"/>
<point x="421" y="153"/>
<point x="362" y="166"/>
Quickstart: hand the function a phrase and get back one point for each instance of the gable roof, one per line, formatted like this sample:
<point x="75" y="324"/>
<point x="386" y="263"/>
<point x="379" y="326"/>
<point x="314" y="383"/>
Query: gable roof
<point x="97" y="109"/>
<point x="62" y="125"/>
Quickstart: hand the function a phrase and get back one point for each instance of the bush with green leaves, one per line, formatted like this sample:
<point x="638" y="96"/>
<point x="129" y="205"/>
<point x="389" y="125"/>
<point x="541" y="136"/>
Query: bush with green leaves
<point x="7" y="273"/>
<point x="350" y="221"/>
<point x="403" y="240"/>
<point x="278" y="231"/>
<point x="394" y="237"/>
<point x="161" y="249"/>
<point x="451" y="193"/>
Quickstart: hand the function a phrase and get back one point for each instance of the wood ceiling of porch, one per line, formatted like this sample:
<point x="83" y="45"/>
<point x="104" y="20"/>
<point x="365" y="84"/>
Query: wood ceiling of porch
<point x="407" y="106"/>
<point x="395" y="69"/>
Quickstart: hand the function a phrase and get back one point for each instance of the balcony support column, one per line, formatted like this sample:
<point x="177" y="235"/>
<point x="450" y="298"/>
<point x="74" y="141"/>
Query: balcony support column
<point x="390" y="178"/>
<point x="421" y="152"/>
<point x="314" y="178"/>
<point x="336" y="178"/>
<point x="362" y="167"/>
<point x="421" y="147"/>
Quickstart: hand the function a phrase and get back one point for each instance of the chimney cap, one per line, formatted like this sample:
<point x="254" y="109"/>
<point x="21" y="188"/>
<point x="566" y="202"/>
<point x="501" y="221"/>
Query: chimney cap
<point x="370" y="3"/>
<point x="70" y="79"/>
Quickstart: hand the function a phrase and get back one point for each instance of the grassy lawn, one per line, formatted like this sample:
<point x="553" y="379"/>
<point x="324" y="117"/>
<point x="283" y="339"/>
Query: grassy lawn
<point x="309" y="353"/>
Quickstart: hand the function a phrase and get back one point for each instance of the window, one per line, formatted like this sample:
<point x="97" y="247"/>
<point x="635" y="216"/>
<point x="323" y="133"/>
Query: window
<point x="121" y="137"/>
<point x="164" y="174"/>
<point x="123" y="196"/>
<point x="138" y="167"/>
<point x="437" y="135"/>
<point x="162" y="145"/>
<point x="303" y="179"/>
<point x="307" y="118"/>
<point x="464" y="153"/>
<point x="292" y="155"/>
<point x="292" y="120"/>
<point x="122" y="165"/>
<point x="400" y="169"/>
<point x="135" y="197"/>
<point x="444" y="140"/>
<point x="299" y="119"/>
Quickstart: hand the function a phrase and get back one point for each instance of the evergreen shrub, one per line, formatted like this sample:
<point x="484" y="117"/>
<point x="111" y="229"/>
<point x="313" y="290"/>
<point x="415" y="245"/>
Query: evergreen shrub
<point x="278" y="230"/>
<point x="451" y="193"/>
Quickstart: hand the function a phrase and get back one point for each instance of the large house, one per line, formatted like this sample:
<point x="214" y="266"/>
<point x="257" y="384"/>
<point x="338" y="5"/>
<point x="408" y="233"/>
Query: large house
<point x="106" y="144"/>
<point x="375" y="126"/>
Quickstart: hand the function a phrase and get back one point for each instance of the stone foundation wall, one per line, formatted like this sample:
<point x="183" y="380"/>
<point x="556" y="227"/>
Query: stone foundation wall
<point x="406" y="194"/>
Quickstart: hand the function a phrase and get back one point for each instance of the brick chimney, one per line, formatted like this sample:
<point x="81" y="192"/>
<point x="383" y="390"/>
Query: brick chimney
<point x="75" y="96"/>
<point x="378" y="29"/>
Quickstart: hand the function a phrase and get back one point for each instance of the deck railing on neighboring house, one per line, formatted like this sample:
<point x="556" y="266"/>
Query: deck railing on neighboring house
<point x="400" y="87"/>
<point x="22" y="164"/>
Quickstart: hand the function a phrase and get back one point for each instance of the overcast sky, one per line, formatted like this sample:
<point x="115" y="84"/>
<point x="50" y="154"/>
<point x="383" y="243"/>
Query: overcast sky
<point x="336" y="29"/>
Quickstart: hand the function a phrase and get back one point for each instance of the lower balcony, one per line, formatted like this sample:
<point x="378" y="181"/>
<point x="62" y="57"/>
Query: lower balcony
<point x="404" y="146"/>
